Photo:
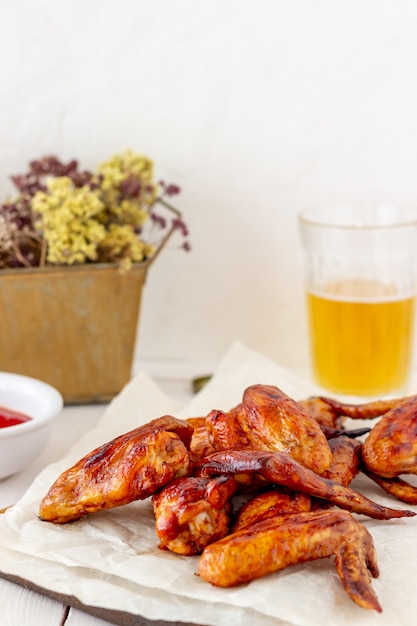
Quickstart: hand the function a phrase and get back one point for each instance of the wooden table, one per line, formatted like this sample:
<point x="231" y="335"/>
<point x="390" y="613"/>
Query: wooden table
<point x="20" y="606"/>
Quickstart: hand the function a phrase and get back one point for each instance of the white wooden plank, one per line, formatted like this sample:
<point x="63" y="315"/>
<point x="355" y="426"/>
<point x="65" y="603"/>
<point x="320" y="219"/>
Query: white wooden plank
<point x="21" y="607"/>
<point x="78" y="618"/>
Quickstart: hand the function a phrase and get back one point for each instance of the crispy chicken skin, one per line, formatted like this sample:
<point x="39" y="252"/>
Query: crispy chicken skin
<point x="397" y="487"/>
<point x="346" y="460"/>
<point x="200" y="445"/>
<point x="366" y="410"/>
<point x="280" y="500"/>
<point x="280" y="468"/>
<point x="192" y="512"/>
<point x="273" y="544"/>
<point x="390" y="449"/>
<point x="330" y="414"/>
<point x="270" y="504"/>
<point x="130" y="467"/>
<point x="268" y="419"/>
<point x="322" y="412"/>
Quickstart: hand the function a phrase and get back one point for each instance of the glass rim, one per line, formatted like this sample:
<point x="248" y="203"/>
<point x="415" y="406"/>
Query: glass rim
<point x="321" y="217"/>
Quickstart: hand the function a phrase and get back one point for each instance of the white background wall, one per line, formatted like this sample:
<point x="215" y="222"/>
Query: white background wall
<point x="256" y="108"/>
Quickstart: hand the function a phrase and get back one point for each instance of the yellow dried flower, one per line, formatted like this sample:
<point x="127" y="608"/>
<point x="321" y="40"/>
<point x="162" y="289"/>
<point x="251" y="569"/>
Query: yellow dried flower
<point x="121" y="242"/>
<point x="80" y="216"/>
<point x="67" y="221"/>
<point x="127" y="187"/>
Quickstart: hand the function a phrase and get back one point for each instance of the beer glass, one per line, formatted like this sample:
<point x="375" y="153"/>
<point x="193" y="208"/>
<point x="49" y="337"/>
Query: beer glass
<point x="361" y="269"/>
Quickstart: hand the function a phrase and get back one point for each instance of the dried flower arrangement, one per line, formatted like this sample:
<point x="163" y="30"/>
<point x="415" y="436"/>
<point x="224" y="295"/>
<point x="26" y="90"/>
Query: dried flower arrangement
<point x="65" y="216"/>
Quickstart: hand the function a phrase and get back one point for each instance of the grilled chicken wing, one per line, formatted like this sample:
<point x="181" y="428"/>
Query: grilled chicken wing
<point x="193" y="512"/>
<point x="200" y="445"/>
<point x="390" y="449"/>
<point x="281" y="501"/>
<point x="397" y="487"/>
<point x="130" y="467"/>
<point x="329" y="415"/>
<point x="270" y="504"/>
<point x="280" y="468"/>
<point x="273" y="544"/>
<point x="366" y="410"/>
<point x="267" y="419"/>
<point x="346" y="460"/>
<point x="322" y="412"/>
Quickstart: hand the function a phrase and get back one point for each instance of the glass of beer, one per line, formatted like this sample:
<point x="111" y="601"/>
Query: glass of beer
<point x="361" y="280"/>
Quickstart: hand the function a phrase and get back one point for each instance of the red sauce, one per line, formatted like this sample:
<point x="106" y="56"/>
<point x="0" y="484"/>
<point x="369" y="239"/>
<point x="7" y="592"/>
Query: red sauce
<point x="10" y="417"/>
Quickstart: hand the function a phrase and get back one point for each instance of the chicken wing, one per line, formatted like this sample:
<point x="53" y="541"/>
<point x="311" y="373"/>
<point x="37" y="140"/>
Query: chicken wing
<point x="192" y="512"/>
<point x="273" y="544"/>
<point x="390" y="449"/>
<point x="366" y="410"/>
<point x="346" y="460"/>
<point x="269" y="504"/>
<point x="330" y="414"/>
<point x="268" y="419"/>
<point x="397" y="487"/>
<point x="281" y="501"/>
<point x="200" y="445"/>
<point x="130" y="467"/>
<point x="280" y="468"/>
<point x="322" y="412"/>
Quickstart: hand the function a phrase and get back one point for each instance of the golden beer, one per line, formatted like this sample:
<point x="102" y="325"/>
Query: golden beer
<point x="361" y="338"/>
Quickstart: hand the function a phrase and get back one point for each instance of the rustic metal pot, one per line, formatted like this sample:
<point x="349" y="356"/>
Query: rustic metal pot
<point x="73" y="327"/>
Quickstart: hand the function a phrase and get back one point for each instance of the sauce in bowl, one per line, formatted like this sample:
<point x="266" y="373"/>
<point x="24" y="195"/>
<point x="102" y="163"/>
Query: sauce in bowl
<point x="10" y="417"/>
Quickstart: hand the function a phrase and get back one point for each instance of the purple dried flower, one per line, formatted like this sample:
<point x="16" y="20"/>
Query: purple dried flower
<point x="131" y="187"/>
<point x="34" y="179"/>
<point x="158" y="220"/>
<point x="180" y="225"/>
<point x="169" y="189"/>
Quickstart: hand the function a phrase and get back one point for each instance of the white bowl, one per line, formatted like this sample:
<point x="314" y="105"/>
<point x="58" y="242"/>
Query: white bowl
<point x="22" y="443"/>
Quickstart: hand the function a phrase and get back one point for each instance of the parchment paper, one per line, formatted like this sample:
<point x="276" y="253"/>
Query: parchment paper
<point x="111" y="559"/>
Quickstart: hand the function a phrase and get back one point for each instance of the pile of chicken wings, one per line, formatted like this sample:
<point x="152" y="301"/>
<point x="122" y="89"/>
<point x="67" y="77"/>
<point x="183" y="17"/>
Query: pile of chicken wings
<point x="256" y="488"/>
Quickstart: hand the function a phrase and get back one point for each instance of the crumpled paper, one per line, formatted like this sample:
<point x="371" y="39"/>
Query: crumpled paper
<point x="111" y="559"/>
